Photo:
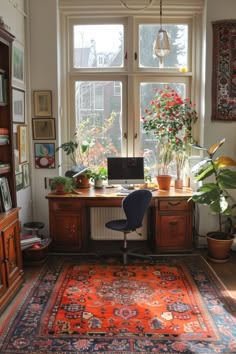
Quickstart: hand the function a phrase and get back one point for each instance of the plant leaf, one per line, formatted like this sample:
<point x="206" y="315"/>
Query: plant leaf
<point x="202" y="174"/>
<point x="224" y="161"/>
<point x="212" y="150"/>
<point x="227" y="179"/>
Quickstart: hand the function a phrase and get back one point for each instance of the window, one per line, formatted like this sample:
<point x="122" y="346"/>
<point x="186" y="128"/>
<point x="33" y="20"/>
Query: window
<point x="112" y="81"/>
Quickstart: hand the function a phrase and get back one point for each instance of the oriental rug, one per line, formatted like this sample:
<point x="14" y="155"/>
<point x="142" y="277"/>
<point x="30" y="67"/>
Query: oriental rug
<point x="174" y="304"/>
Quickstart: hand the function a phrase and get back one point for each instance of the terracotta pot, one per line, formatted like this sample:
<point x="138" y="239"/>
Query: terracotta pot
<point x="60" y="189"/>
<point x="218" y="249"/>
<point x="164" y="182"/>
<point x="178" y="184"/>
<point x="82" y="181"/>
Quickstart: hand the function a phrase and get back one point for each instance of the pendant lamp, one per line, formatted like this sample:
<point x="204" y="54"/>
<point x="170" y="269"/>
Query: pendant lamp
<point x="124" y="3"/>
<point x="161" y="46"/>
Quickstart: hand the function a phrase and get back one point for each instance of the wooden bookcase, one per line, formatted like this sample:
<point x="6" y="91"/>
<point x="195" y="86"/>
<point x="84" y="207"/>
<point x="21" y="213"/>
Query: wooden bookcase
<point x="11" y="273"/>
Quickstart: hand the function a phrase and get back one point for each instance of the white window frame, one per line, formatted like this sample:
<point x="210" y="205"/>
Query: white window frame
<point x="130" y="74"/>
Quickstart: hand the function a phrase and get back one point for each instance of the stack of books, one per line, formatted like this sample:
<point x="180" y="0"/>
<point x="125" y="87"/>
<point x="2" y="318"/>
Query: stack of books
<point x="4" y="136"/>
<point x="4" y="167"/>
<point x="28" y="241"/>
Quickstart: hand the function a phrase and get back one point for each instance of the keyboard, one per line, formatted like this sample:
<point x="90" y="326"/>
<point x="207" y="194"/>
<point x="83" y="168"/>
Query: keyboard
<point x="124" y="191"/>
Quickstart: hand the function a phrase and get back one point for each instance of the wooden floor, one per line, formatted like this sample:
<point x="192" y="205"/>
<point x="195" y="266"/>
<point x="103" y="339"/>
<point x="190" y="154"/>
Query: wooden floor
<point x="225" y="271"/>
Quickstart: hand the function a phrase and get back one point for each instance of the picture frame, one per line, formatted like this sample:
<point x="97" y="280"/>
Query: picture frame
<point x="43" y="129"/>
<point x="44" y="155"/>
<point x="18" y="105"/>
<point x="19" y="181"/>
<point x="22" y="143"/>
<point x="18" y="63"/>
<point x="5" y="194"/>
<point x="26" y="175"/>
<point x="42" y="103"/>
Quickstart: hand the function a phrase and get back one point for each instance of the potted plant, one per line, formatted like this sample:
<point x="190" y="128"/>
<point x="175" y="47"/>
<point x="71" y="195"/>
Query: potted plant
<point x="166" y="157"/>
<point x="215" y="194"/>
<point x="62" y="185"/>
<point x="78" y="152"/>
<point x="171" y="119"/>
<point x="98" y="176"/>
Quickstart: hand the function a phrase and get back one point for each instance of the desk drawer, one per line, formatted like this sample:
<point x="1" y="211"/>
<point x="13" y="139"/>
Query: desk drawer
<point x="175" y="204"/>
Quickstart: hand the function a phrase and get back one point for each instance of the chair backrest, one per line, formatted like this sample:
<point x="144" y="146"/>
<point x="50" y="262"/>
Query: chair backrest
<point x="135" y="206"/>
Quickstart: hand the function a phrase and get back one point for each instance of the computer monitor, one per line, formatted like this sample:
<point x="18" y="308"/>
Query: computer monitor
<point x="125" y="171"/>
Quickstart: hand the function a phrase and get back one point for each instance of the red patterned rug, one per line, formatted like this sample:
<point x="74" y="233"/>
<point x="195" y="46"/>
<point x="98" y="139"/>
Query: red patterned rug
<point x="176" y="304"/>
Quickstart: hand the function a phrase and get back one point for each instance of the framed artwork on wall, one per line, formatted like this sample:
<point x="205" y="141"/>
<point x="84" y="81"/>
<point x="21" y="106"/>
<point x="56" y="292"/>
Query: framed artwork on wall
<point x="42" y="103"/>
<point x="224" y="71"/>
<point x="43" y="128"/>
<point x="5" y="194"/>
<point x="22" y="143"/>
<point x="26" y="175"/>
<point x="18" y="63"/>
<point x="19" y="181"/>
<point x="18" y="105"/>
<point x="44" y="155"/>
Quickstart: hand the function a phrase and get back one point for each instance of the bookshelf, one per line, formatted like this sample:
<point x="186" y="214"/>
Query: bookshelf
<point x="11" y="273"/>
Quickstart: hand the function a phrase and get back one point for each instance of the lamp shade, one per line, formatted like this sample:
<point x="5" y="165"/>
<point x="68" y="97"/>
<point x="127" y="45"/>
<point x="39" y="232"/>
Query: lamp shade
<point x="161" y="46"/>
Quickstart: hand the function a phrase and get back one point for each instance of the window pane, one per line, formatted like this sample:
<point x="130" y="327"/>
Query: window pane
<point x="99" y="119"/>
<point x="98" y="46"/>
<point x="148" y="142"/>
<point x="178" y="36"/>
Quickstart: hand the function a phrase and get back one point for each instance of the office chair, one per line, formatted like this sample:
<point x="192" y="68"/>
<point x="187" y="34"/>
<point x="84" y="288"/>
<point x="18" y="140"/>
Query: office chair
<point x="134" y="205"/>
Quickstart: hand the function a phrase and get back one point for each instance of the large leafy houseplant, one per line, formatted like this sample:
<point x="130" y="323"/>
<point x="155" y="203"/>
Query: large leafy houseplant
<point x="215" y="192"/>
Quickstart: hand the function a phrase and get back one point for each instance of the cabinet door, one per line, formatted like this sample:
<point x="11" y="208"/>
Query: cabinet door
<point x="12" y="251"/>
<point x="3" y="284"/>
<point x="174" y="232"/>
<point x="65" y="230"/>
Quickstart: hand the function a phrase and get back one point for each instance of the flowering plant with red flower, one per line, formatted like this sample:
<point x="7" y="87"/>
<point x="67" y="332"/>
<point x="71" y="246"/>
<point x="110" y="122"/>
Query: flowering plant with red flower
<point x="171" y="118"/>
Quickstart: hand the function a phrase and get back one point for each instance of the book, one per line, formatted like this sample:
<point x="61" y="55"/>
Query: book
<point x="4" y="131"/>
<point x="30" y="240"/>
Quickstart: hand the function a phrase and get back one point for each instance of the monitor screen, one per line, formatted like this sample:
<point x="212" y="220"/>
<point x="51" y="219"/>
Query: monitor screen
<point x="125" y="170"/>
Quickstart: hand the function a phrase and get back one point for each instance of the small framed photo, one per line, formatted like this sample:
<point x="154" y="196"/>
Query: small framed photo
<point x="44" y="155"/>
<point x="5" y="194"/>
<point x="22" y="143"/>
<point x="19" y="181"/>
<point x="18" y="105"/>
<point x="18" y="63"/>
<point x="43" y="129"/>
<point x="42" y="103"/>
<point x="26" y="175"/>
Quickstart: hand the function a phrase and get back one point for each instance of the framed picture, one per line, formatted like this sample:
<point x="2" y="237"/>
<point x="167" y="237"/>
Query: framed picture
<point x="26" y="175"/>
<point x="22" y="143"/>
<point x="5" y="194"/>
<point x="44" y="155"/>
<point x="19" y="181"/>
<point x="43" y="129"/>
<point x="223" y="71"/>
<point x="42" y="103"/>
<point x="3" y="88"/>
<point x="18" y="105"/>
<point x="18" y="63"/>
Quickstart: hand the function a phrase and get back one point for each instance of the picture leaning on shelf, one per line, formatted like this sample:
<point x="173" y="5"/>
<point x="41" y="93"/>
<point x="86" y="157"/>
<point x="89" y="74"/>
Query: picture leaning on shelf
<point x="5" y="194"/>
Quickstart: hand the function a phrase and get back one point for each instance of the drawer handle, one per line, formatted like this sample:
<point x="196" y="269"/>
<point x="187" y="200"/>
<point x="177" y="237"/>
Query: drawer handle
<point x="65" y="205"/>
<point x="174" y="204"/>
<point x="173" y="223"/>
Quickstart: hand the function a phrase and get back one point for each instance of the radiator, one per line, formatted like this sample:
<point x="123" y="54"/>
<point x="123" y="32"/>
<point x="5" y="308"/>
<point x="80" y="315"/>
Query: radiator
<point x="99" y="216"/>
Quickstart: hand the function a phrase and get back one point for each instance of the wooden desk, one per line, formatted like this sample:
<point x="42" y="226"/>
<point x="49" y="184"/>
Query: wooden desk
<point x="169" y="219"/>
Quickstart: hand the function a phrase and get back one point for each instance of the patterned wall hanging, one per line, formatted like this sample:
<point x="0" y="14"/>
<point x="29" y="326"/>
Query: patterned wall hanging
<point x="224" y="71"/>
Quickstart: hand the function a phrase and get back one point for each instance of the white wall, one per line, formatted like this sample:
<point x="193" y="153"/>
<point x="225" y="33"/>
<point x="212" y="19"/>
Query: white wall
<point x="215" y="131"/>
<point x="14" y="15"/>
<point x="44" y="69"/>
